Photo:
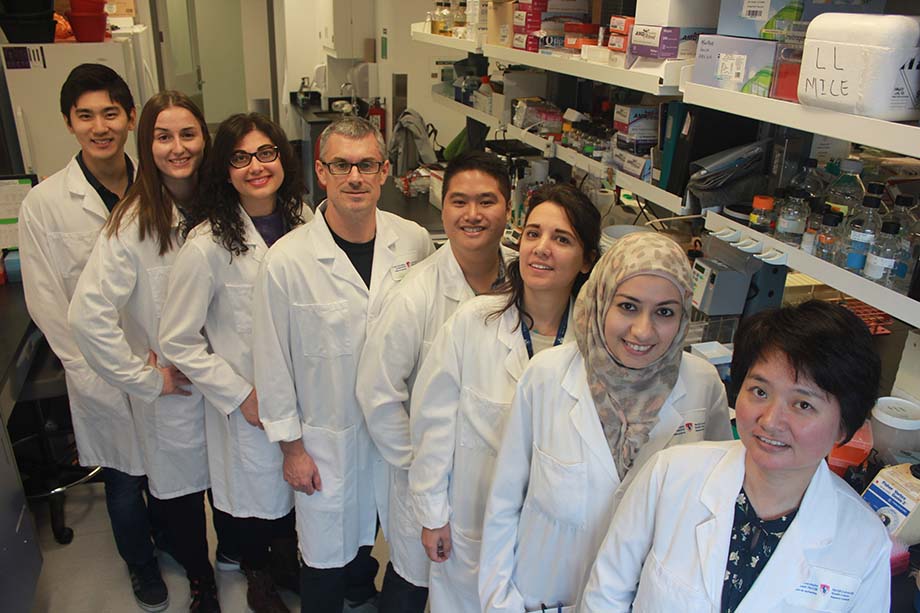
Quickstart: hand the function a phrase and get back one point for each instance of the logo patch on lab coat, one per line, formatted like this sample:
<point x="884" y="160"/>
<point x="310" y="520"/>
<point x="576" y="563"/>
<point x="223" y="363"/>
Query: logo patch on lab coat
<point x="690" y="427"/>
<point x="825" y="590"/>
<point x="401" y="270"/>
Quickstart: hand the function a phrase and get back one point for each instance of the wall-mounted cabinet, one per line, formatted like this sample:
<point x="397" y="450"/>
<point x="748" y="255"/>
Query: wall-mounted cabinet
<point x="344" y="26"/>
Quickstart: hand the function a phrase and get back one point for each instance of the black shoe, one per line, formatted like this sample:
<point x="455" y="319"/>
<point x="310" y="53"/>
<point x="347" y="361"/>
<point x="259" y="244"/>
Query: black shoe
<point x="149" y="589"/>
<point x="284" y="565"/>
<point x="261" y="593"/>
<point x="204" y="596"/>
<point x="227" y="562"/>
<point x="366" y="606"/>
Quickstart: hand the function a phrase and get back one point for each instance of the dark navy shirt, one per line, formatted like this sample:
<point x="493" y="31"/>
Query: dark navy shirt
<point x="360" y="254"/>
<point x="109" y="198"/>
<point x="270" y="226"/>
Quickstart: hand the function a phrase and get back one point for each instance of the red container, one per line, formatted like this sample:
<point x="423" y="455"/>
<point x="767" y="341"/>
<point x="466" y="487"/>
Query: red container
<point x="88" y="27"/>
<point x="87" y="6"/>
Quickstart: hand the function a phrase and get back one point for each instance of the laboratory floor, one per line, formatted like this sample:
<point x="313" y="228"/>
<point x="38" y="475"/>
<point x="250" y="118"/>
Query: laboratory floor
<point x="88" y="576"/>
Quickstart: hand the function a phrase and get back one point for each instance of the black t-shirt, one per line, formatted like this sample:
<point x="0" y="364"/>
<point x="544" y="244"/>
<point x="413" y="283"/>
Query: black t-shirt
<point x="109" y="198"/>
<point x="360" y="254"/>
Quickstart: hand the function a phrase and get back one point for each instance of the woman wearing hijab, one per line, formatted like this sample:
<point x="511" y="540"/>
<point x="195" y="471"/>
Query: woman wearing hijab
<point x="584" y="415"/>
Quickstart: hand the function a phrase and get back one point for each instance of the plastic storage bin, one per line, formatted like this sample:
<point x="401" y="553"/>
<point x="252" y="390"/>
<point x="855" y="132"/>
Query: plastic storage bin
<point x="863" y="64"/>
<point x="895" y="426"/>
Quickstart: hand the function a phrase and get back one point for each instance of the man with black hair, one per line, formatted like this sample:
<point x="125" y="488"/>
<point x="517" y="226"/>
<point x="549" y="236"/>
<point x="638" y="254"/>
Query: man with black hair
<point x="475" y="204"/>
<point x="58" y="224"/>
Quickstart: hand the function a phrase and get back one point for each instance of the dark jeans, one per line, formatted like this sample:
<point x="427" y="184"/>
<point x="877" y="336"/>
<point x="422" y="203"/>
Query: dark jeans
<point x="400" y="596"/>
<point x="255" y="540"/>
<point x="324" y="590"/>
<point x="228" y="535"/>
<point x="131" y="523"/>
<point x="187" y="533"/>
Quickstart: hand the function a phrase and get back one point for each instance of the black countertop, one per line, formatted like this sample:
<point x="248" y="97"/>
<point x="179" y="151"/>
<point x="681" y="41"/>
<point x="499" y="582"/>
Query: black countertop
<point x="15" y="332"/>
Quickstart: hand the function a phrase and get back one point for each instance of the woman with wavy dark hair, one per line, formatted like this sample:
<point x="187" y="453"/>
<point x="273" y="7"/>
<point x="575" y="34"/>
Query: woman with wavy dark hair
<point x="252" y="198"/>
<point x="464" y="387"/>
<point x="115" y="317"/>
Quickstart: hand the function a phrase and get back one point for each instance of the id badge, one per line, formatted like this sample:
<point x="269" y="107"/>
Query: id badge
<point x="825" y="590"/>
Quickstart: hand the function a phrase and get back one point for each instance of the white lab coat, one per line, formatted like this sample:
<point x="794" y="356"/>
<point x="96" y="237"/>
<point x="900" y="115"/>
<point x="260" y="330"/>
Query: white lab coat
<point x="312" y="310"/>
<point x="556" y="486"/>
<point x="206" y="331"/>
<point x="671" y="536"/>
<point x="396" y="345"/>
<point x="115" y="316"/>
<point x="459" y="406"/>
<point x="58" y="224"/>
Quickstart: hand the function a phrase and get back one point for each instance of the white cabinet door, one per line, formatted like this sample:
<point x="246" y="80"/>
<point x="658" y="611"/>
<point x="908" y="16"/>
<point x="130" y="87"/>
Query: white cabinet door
<point x="344" y="25"/>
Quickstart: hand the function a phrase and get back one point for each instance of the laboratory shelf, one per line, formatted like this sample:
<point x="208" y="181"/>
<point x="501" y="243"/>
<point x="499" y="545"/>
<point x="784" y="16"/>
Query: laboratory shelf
<point x="589" y="165"/>
<point x="652" y="193"/>
<point x="443" y="94"/>
<point x="660" y="79"/>
<point x="903" y="138"/>
<point x="773" y="251"/>
<point x="420" y="33"/>
<point x="545" y="145"/>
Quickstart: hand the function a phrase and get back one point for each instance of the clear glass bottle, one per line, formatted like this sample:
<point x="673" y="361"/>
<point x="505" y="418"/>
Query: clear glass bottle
<point x="860" y="234"/>
<point x="901" y="213"/>
<point x="876" y="188"/>
<point x="762" y="217"/>
<point x="459" y="15"/>
<point x="913" y="252"/>
<point x="847" y="190"/>
<point x="812" y="226"/>
<point x="792" y="217"/>
<point x="809" y="179"/>
<point x="885" y="256"/>
<point x="828" y="238"/>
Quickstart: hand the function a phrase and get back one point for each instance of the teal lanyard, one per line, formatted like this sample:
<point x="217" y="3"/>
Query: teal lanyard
<point x="560" y="332"/>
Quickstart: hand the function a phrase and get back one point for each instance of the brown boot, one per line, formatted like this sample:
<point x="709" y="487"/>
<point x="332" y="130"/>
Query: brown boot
<point x="261" y="593"/>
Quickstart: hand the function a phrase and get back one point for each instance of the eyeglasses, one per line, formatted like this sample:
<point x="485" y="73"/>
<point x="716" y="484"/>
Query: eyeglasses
<point x="265" y="154"/>
<point x="341" y="167"/>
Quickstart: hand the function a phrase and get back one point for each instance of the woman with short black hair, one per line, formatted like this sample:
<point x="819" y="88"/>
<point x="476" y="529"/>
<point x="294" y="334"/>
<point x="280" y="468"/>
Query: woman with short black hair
<point x="761" y="524"/>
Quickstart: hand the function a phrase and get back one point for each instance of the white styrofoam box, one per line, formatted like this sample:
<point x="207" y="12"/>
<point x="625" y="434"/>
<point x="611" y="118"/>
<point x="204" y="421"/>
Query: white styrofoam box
<point x="680" y="13"/>
<point x="517" y="84"/>
<point x="863" y="64"/>
<point x="593" y="53"/>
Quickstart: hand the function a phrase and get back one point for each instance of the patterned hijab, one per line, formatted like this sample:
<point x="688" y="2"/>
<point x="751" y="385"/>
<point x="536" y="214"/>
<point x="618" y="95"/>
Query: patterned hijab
<point x="627" y="399"/>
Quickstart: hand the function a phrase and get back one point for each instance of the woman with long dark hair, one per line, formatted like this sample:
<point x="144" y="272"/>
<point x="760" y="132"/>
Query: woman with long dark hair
<point x="252" y="198"/>
<point x="115" y="316"/>
<point x="464" y="387"/>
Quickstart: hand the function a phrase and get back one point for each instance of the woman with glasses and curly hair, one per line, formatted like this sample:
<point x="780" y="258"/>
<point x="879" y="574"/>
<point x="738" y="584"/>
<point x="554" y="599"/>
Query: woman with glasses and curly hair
<point x="253" y="193"/>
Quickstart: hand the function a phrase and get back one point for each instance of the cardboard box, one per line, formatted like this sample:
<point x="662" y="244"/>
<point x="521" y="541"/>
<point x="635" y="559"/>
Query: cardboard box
<point x="736" y="64"/>
<point x="517" y="84"/>
<point x="813" y="8"/>
<point x="618" y="43"/>
<point x="526" y="42"/>
<point x="665" y="43"/>
<point x="621" y="25"/>
<point x="637" y="121"/>
<point x="527" y="22"/>
<point x="679" y="13"/>
<point x="634" y="165"/>
<point x="766" y="19"/>
<point x="500" y="29"/>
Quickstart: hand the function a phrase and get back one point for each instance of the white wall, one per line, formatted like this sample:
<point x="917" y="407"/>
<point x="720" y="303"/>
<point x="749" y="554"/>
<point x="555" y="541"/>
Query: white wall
<point x="417" y="61"/>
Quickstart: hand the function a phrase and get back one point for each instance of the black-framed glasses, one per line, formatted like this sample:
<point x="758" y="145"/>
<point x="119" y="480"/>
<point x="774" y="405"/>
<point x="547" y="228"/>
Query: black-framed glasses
<point x="341" y="167"/>
<point x="265" y="154"/>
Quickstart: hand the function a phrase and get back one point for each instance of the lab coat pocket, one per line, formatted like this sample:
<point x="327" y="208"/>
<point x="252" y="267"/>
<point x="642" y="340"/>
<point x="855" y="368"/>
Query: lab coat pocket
<point x="70" y="252"/>
<point x="481" y="421"/>
<point x="241" y="302"/>
<point x="323" y="329"/>
<point x="554" y="609"/>
<point x="336" y="456"/>
<point x="179" y="422"/>
<point x="257" y="453"/>
<point x="660" y="590"/>
<point x="158" y="277"/>
<point x="692" y="427"/>
<point x="558" y="489"/>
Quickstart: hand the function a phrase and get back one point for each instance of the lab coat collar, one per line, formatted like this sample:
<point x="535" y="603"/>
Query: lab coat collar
<point x="78" y="186"/>
<point x="455" y="286"/>
<point x="584" y="415"/>
<point x="251" y="237"/>
<point x="669" y="420"/>
<point x="813" y="527"/>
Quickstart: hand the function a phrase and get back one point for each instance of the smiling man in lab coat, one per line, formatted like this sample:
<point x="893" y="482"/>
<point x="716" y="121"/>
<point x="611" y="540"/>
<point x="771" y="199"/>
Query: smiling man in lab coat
<point x="318" y="289"/>
<point x="474" y="210"/>
<point x="58" y="225"/>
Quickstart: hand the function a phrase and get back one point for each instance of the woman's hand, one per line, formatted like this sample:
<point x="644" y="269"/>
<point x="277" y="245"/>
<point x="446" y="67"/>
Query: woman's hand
<point x="437" y="543"/>
<point x="250" y="410"/>
<point x="172" y="378"/>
